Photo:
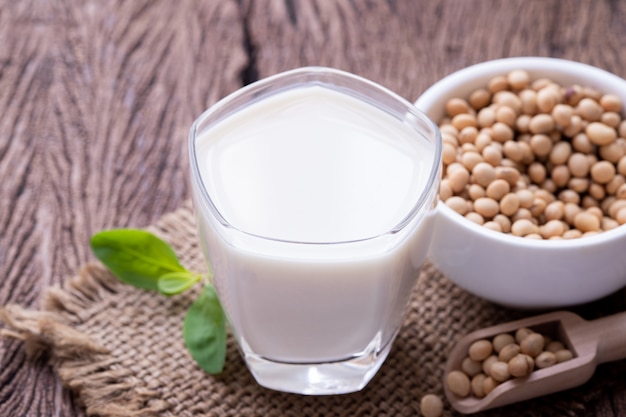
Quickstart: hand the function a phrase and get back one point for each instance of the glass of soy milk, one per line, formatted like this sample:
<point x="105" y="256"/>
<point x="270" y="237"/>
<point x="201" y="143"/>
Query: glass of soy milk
<point x="314" y="192"/>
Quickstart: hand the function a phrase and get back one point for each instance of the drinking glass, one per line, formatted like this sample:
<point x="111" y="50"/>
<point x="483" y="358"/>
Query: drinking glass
<point x="314" y="192"/>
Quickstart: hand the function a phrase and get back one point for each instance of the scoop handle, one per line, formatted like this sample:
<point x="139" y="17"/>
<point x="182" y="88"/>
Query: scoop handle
<point x="611" y="337"/>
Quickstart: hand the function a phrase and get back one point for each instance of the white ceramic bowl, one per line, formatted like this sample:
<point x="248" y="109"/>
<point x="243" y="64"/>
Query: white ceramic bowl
<point x="510" y="270"/>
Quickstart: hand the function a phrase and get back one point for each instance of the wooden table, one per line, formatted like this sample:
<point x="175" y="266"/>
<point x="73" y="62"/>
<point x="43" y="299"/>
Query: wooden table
<point x="97" y="96"/>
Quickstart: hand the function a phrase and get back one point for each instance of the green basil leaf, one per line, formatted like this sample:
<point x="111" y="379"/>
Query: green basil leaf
<point x="204" y="331"/>
<point x="136" y="257"/>
<point x="176" y="282"/>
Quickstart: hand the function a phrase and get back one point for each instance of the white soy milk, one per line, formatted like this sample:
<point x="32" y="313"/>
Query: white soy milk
<point x="299" y="173"/>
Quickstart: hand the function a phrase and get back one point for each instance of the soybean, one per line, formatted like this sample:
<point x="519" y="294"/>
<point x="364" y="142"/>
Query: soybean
<point x="431" y="406"/>
<point x="477" y="385"/>
<point x="509" y="352"/>
<point x="502" y="340"/>
<point x="545" y="359"/>
<point x="471" y="367"/>
<point x="521" y="365"/>
<point x="458" y="383"/>
<point x="499" y="371"/>
<point x="532" y="344"/>
<point x="506" y="356"/>
<point x="518" y="141"/>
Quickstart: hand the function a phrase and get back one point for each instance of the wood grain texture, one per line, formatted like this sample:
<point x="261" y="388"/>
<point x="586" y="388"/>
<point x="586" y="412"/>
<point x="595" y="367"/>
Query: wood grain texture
<point x="408" y="45"/>
<point x="97" y="96"/>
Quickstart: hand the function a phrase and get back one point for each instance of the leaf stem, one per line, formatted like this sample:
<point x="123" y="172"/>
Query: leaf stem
<point x="207" y="279"/>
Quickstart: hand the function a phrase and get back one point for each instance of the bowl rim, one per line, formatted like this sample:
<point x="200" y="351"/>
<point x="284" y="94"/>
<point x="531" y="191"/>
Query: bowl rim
<point x="488" y="69"/>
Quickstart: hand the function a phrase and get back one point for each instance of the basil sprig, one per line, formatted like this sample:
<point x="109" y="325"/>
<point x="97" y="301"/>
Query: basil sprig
<point x="141" y="259"/>
<point x="204" y="331"/>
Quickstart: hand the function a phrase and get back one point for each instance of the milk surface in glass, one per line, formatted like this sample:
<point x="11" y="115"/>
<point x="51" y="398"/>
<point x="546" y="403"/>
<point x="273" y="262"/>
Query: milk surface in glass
<point x="309" y="232"/>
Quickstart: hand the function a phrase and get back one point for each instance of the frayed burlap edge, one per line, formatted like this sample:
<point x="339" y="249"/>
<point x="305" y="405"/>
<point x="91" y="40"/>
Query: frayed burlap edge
<point x="103" y="386"/>
<point x="81" y="363"/>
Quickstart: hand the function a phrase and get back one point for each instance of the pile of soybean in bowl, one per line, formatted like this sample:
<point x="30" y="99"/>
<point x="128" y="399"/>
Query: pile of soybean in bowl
<point x="536" y="159"/>
<point x="508" y="356"/>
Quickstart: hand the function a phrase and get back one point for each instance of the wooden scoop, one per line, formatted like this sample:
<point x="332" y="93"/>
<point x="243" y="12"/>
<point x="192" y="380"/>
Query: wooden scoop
<point x="591" y="342"/>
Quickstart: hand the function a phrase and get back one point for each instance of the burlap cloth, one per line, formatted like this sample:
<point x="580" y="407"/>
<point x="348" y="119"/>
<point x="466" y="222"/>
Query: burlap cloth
<point x="121" y="350"/>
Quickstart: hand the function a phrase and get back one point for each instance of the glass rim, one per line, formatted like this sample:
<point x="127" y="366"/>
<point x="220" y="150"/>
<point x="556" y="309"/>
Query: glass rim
<point x="316" y="76"/>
